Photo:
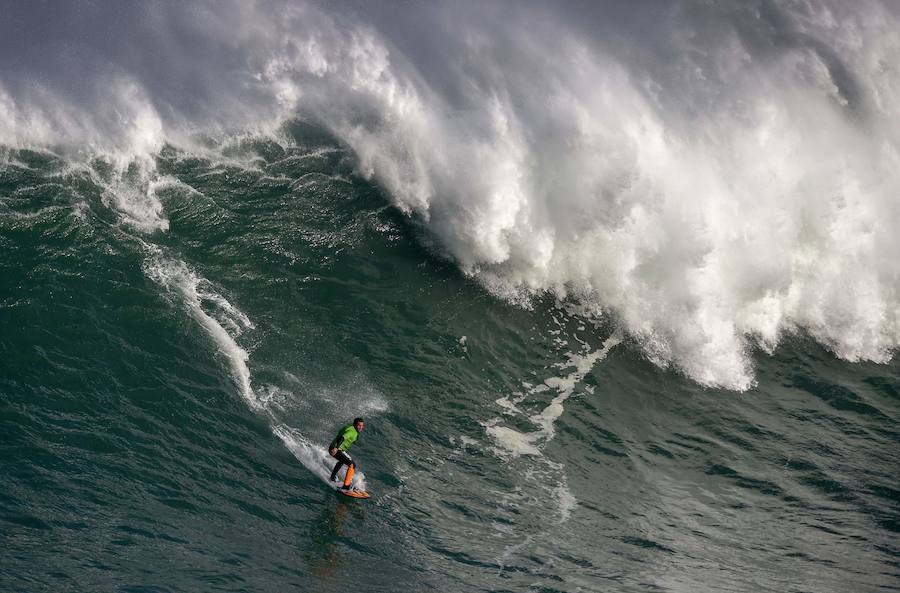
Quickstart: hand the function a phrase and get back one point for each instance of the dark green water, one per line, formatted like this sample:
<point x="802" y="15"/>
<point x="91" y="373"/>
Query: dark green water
<point x="181" y="338"/>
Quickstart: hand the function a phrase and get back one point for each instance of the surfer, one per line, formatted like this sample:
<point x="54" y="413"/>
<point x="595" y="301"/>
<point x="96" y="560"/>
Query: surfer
<point x="338" y="449"/>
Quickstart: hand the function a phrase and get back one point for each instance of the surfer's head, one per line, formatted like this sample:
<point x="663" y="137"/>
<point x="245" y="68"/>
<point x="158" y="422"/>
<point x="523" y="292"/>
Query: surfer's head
<point x="358" y="424"/>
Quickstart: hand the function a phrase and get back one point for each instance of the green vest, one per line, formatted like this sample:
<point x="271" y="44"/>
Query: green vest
<point x="349" y="435"/>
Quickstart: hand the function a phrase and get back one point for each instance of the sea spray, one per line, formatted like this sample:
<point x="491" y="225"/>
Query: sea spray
<point x="717" y="177"/>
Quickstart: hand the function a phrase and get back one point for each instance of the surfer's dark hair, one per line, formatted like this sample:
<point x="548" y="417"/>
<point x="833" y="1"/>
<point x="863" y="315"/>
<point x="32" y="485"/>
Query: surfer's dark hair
<point x="358" y="420"/>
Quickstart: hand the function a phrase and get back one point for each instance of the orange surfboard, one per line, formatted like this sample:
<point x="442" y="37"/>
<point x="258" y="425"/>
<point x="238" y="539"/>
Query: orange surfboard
<point x="346" y="489"/>
<point x="353" y="493"/>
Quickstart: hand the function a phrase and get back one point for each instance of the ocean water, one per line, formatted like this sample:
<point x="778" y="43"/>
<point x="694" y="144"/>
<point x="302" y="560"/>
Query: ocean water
<point x="614" y="287"/>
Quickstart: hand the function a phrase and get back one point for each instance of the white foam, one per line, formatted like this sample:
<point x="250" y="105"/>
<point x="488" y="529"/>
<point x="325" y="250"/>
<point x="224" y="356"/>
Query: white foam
<point x="566" y="501"/>
<point x="711" y="214"/>
<point x="122" y="120"/>
<point x="469" y="442"/>
<point x="139" y="205"/>
<point x="565" y="386"/>
<point x="513" y="441"/>
<point x="176" y="277"/>
<point x="224" y="324"/>
<point x="80" y="210"/>
<point x="725" y="185"/>
<point x="518" y="443"/>
<point x="129" y="187"/>
<point x="314" y="457"/>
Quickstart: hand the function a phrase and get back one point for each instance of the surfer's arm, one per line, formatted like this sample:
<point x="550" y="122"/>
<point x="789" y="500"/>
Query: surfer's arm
<point x="336" y="444"/>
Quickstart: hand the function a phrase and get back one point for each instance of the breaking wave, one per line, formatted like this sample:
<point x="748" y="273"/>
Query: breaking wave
<point x="714" y="177"/>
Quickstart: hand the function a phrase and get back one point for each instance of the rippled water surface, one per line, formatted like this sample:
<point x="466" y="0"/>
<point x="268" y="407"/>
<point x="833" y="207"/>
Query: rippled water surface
<point x="614" y="284"/>
<point x="168" y="394"/>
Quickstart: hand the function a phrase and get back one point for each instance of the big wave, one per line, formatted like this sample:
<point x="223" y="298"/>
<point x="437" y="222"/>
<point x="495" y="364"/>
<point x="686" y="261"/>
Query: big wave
<point x="714" y="177"/>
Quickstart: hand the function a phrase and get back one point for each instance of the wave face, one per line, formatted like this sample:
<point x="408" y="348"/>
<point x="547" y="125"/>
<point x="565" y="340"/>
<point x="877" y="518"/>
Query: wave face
<point x="181" y="340"/>
<point x="716" y="177"/>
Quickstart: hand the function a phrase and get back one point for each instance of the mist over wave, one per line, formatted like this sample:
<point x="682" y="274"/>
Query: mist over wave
<point x="713" y="176"/>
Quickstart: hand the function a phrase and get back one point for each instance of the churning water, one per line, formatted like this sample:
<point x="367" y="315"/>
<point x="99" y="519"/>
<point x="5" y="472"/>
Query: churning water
<point x="616" y="288"/>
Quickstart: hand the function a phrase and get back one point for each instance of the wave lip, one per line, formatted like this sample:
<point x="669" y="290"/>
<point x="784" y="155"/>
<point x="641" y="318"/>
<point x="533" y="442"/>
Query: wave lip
<point x="711" y="232"/>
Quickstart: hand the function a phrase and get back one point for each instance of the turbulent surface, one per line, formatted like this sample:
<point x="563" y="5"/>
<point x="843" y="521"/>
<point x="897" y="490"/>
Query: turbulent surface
<point x="616" y="289"/>
<point x="713" y="175"/>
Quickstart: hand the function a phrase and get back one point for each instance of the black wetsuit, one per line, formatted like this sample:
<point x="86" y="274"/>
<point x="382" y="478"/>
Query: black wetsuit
<point x="343" y="459"/>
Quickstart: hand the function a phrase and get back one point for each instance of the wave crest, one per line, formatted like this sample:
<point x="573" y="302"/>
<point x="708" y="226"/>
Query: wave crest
<point x="716" y="176"/>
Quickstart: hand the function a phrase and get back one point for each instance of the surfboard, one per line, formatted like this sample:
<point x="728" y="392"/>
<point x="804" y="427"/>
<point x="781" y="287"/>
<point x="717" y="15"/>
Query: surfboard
<point x="353" y="493"/>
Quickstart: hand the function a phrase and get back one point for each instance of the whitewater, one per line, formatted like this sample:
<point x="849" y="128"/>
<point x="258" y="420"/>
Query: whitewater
<point x="614" y="285"/>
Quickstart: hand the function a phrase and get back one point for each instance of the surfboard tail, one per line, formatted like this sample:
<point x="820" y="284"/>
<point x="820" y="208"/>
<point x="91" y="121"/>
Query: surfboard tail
<point x="354" y="493"/>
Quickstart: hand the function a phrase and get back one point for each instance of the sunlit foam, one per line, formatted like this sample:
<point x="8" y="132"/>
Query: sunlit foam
<point x="715" y="190"/>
